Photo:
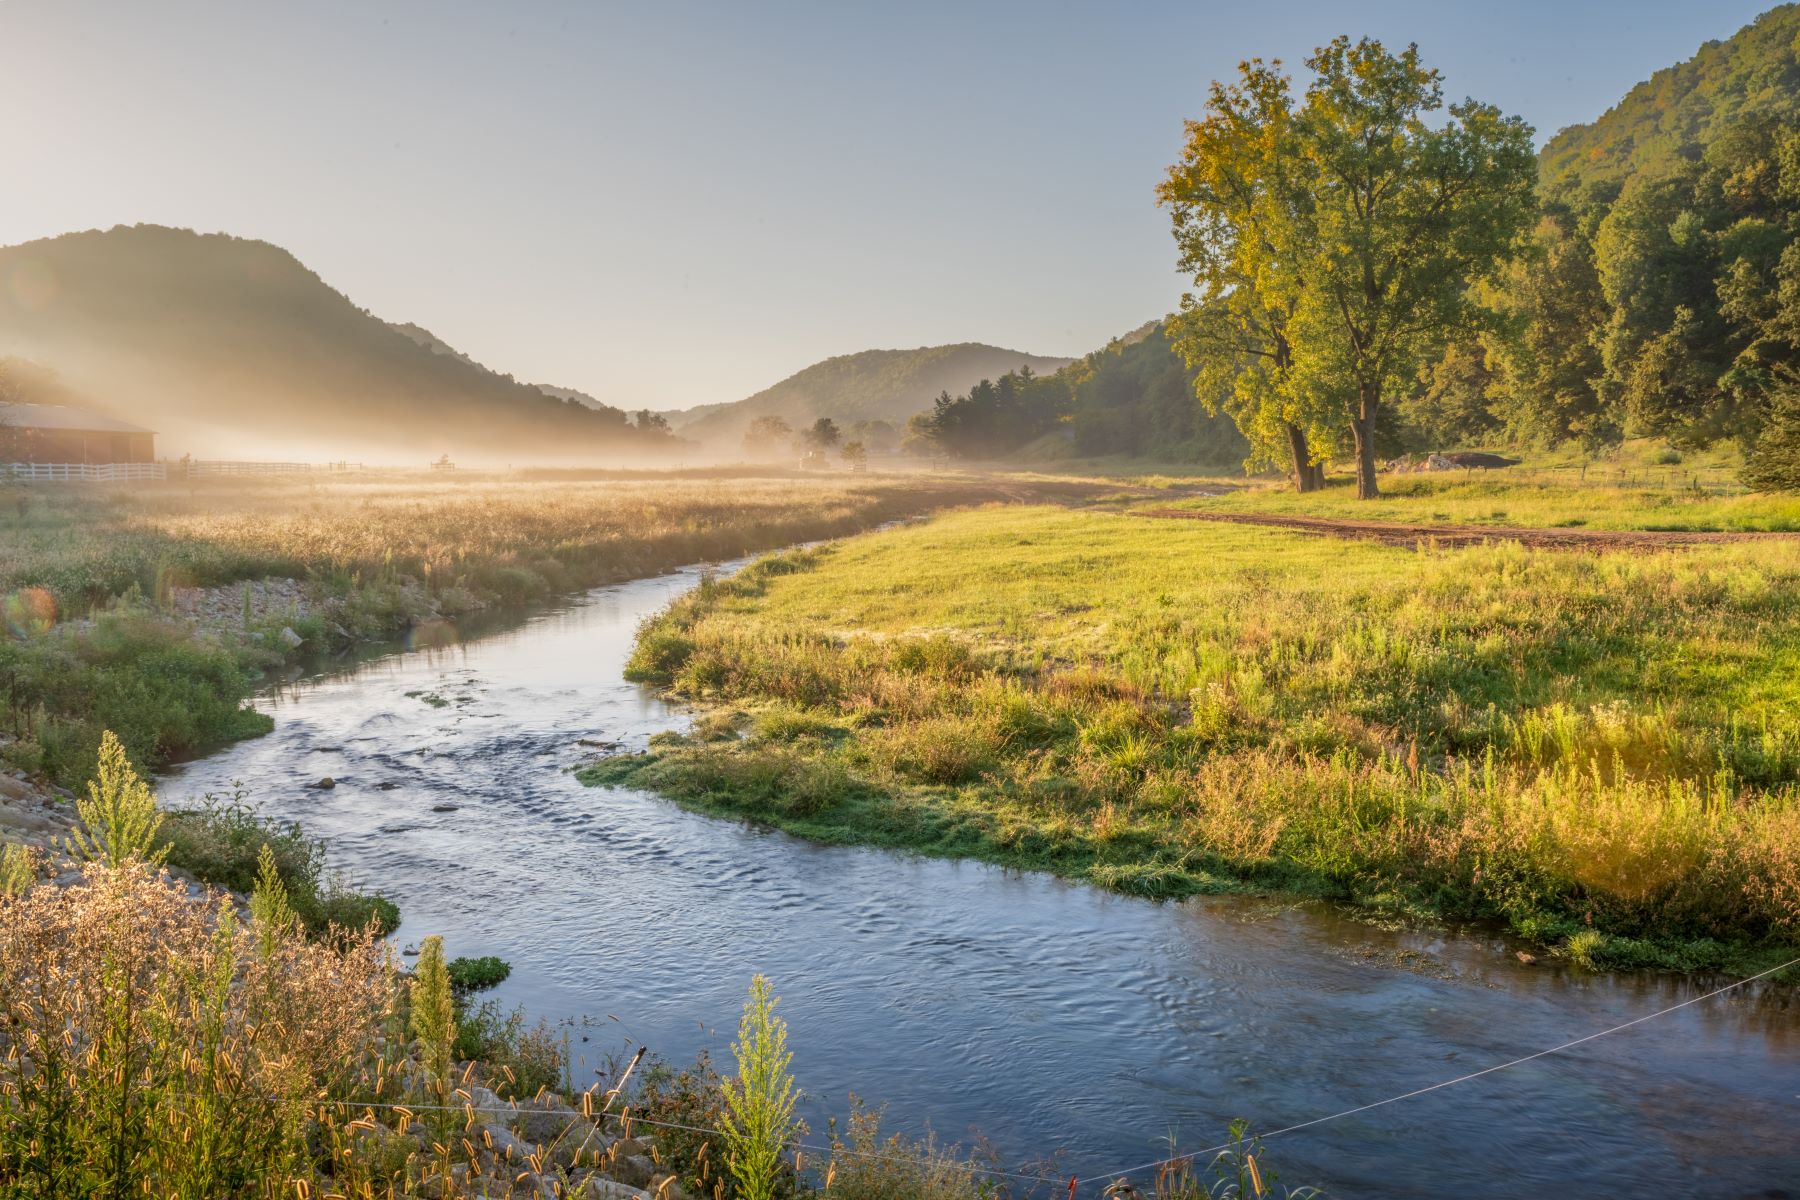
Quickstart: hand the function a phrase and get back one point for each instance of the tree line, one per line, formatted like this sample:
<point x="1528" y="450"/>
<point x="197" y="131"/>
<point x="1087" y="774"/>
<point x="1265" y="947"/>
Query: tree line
<point x="1375" y="270"/>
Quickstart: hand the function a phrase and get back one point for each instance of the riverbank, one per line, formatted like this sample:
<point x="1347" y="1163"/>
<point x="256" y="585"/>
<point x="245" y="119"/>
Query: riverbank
<point x="1596" y="751"/>
<point x="1013" y="1009"/>
<point x="155" y="610"/>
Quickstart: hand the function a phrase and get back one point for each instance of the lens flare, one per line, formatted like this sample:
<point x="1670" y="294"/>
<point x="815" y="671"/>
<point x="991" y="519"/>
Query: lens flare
<point x="29" y="611"/>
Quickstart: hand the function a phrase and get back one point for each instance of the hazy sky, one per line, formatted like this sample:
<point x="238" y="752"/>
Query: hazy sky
<point x="670" y="204"/>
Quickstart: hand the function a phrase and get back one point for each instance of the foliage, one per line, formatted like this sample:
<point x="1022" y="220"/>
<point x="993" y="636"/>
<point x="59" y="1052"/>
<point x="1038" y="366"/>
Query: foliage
<point x="228" y="843"/>
<point x="118" y="816"/>
<point x="18" y="869"/>
<point x="148" y="1048"/>
<point x="272" y="917"/>
<point x="866" y="1166"/>
<point x="1333" y="241"/>
<point x="1134" y="397"/>
<point x="434" y="1017"/>
<point x="689" y="1103"/>
<point x="1774" y="464"/>
<point x="1235" y="197"/>
<point x="477" y="974"/>
<point x="1549" y="740"/>
<point x="521" y="1058"/>
<point x="759" y="1103"/>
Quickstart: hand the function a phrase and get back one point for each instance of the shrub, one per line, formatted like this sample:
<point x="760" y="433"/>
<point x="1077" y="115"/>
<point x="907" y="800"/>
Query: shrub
<point x="434" y="1019"/>
<point x="118" y="817"/>
<point x="221" y="842"/>
<point x="521" y="1059"/>
<point x="477" y="974"/>
<point x="148" y="1047"/>
<point x="865" y="1166"/>
<point x="759" y="1102"/>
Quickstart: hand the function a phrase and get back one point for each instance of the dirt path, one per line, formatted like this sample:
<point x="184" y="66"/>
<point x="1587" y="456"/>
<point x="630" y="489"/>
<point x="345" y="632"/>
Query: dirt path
<point x="1395" y="534"/>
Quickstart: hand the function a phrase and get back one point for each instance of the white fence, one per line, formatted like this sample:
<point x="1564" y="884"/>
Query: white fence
<point x="84" y="472"/>
<point x="195" y="467"/>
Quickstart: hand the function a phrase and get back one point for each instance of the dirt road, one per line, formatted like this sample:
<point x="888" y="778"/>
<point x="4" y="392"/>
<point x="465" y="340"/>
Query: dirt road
<point x="1395" y="534"/>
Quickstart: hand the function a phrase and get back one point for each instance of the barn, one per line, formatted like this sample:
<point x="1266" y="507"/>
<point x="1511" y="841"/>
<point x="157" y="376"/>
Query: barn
<point x="56" y="433"/>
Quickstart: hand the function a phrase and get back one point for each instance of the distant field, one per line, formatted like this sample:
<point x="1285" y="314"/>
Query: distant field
<point x="1597" y="749"/>
<point x="376" y="552"/>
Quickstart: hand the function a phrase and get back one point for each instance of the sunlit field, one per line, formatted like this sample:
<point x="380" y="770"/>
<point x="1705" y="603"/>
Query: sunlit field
<point x="1595" y="749"/>
<point x="1647" y="497"/>
<point x="90" y="575"/>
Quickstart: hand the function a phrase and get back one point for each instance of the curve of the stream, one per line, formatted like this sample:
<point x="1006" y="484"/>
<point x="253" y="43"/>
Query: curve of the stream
<point x="1040" y="1015"/>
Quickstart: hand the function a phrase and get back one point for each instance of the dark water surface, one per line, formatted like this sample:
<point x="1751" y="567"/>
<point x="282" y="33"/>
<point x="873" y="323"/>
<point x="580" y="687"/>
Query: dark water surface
<point x="1040" y="1014"/>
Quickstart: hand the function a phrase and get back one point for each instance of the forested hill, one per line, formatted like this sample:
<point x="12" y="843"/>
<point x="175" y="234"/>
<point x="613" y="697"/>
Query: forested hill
<point x="875" y="385"/>
<point x="231" y="347"/>
<point x="1134" y="397"/>
<point x="1670" y="118"/>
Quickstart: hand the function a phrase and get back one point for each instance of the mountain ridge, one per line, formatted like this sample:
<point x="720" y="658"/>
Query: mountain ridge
<point x="232" y="346"/>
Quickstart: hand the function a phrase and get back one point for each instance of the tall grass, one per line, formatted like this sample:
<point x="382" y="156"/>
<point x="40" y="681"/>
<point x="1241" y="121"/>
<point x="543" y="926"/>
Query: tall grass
<point x="1574" y="744"/>
<point x="377" y="555"/>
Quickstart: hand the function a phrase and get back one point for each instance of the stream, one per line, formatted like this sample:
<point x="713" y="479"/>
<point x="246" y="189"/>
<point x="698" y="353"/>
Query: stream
<point x="1043" y="1017"/>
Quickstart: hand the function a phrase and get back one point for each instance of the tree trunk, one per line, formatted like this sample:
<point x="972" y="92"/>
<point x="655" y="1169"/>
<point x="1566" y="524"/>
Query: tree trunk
<point x="1362" y="429"/>
<point x="1308" y="476"/>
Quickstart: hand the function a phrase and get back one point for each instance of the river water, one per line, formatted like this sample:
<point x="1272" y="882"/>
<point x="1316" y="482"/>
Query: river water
<point x="1038" y="1015"/>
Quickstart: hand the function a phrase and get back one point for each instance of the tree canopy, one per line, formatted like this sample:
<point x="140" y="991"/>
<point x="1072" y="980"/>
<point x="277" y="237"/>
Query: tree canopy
<point x="1332" y="241"/>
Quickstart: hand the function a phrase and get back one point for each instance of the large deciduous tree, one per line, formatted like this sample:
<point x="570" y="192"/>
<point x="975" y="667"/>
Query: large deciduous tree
<point x="1406" y="215"/>
<point x="1335" y="241"/>
<point x="1233" y="195"/>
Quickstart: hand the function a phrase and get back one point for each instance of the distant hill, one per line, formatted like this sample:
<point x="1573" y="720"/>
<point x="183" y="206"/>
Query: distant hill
<point x="1681" y="109"/>
<point x="232" y="347"/>
<point x="438" y="345"/>
<point x="886" y="385"/>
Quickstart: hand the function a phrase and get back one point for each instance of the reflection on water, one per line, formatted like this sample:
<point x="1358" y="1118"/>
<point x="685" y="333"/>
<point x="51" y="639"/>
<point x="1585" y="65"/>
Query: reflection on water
<point x="1040" y="1014"/>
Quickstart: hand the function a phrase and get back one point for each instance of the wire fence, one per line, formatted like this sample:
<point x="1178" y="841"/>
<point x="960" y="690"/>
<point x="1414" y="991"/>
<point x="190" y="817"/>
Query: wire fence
<point x="1113" y="1178"/>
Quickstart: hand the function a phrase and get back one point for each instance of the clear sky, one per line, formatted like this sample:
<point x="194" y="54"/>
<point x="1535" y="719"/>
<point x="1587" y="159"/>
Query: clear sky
<point x="667" y="204"/>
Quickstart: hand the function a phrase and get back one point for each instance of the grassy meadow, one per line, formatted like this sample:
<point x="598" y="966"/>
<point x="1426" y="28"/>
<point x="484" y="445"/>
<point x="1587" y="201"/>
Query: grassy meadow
<point x="1597" y="750"/>
<point x="1601" y="498"/>
<point x="88" y="574"/>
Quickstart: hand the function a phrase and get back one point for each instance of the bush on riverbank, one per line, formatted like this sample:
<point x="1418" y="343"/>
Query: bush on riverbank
<point x="221" y="842"/>
<point x="1597" y="749"/>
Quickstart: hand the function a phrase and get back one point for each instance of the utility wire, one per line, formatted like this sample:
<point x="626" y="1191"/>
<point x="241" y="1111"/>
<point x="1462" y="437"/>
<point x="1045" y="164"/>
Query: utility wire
<point x="1362" y="1108"/>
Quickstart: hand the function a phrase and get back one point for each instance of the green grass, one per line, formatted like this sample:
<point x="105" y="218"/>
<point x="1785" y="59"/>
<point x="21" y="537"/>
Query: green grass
<point x="92" y="639"/>
<point x="1598" y="750"/>
<point x="1640" y="498"/>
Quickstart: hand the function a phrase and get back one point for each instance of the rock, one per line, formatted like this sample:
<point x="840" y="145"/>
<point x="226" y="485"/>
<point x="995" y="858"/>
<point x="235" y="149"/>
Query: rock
<point x="386" y="785"/>
<point x="323" y="785"/>
<point x="507" y="1145"/>
<point x="289" y="638"/>
<point x="16" y="789"/>
<point x="445" y="807"/>
<point x="1525" y="958"/>
<point x="544" y="1121"/>
<point x="634" y="1169"/>
<point x="27" y="820"/>
<point x="599" y="1188"/>
<point x="582" y="1146"/>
